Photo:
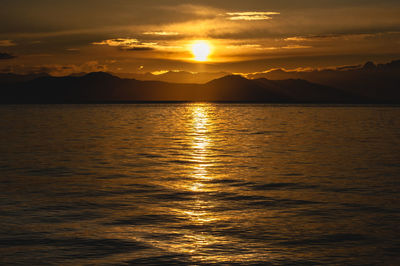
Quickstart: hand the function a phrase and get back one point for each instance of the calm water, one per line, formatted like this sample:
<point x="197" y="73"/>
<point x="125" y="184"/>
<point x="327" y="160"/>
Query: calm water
<point x="199" y="184"/>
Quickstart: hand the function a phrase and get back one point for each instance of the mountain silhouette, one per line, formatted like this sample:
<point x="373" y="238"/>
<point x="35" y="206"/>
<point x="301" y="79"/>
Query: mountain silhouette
<point x="102" y="87"/>
<point x="13" y="78"/>
<point x="371" y="82"/>
<point x="298" y="90"/>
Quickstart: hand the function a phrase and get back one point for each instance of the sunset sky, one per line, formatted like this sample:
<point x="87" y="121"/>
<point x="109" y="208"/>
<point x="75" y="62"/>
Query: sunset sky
<point x="64" y="37"/>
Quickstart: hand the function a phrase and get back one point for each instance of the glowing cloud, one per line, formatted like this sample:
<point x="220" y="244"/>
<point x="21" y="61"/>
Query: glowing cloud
<point x="6" y="43"/>
<point x="239" y="46"/>
<point x="296" y="47"/>
<point x="161" y="33"/>
<point x="249" y="16"/>
<point x="159" y="72"/>
<point x="128" y="44"/>
<point x="136" y="45"/>
<point x="295" y="39"/>
<point x="119" y="42"/>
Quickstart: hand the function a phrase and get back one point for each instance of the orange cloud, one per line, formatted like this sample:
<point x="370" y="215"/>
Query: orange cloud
<point x="248" y="16"/>
<point x="6" y="43"/>
<point x="161" y="33"/>
<point x="239" y="46"/>
<point x="295" y="39"/>
<point x="296" y="47"/>
<point x="119" y="42"/>
<point x="128" y="44"/>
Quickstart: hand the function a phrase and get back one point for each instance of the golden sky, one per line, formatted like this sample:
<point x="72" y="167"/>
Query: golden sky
<point x="64" y="37"/>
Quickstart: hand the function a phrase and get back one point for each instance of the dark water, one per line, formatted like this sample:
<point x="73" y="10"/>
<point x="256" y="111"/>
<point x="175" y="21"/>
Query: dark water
<point x="199" y="184"/>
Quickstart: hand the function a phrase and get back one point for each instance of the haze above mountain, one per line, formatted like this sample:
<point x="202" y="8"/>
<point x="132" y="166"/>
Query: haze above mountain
<point x="175" y="76"/>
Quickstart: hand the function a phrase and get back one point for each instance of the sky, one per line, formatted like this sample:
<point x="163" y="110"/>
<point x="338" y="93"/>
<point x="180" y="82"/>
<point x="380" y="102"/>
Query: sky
<point x="125" y="36"/>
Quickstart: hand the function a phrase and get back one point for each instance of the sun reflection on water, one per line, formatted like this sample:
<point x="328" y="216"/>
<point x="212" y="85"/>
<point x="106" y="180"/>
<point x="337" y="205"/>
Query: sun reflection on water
<point x="201" y="141"/>
<point x="198" y="213"/>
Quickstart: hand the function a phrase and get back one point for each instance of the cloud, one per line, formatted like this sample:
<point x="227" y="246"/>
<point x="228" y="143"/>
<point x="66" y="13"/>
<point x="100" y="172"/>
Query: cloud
<point x="129" y="44"/>
<point x="119" y="42"/>
<point x="325" y="37"/>
<point x="342" y="36"/>
<point x="161" y="33"/>
<point x="296" y="47"/>
<point x="248" y="16"/>
<point x="239" y="46"/>
<point x="73" y="50"/>
<point x="5" y="56"/>
<point x="6" y="43"/>
<point x="348" y="67"/>
<point x="58" y="69"/>
<point x="192" y="11"/>
<point x="139" y="49"/>
<point x="295" y="39"/>
<point x="136" y="45"/>
<point x="159" y="72"/>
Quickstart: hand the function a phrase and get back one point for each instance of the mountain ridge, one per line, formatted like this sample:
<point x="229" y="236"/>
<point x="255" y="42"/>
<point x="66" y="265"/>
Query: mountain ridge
<point x="376" y="82"/>
<point x="105" y="87"/>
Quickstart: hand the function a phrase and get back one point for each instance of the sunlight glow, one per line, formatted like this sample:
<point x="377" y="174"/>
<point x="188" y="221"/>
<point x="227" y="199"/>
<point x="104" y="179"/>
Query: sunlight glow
<point x="201" y="50"/>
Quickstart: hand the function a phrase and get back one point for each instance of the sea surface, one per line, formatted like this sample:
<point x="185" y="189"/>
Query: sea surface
<point x="199" y="184"/>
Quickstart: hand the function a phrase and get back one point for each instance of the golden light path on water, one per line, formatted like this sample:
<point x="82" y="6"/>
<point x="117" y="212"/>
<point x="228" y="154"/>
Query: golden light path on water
<point x="196" y="178"/>
<point x="199" y="214"/>
<point x="197" y="168"/>
<point x="202" y="128"/>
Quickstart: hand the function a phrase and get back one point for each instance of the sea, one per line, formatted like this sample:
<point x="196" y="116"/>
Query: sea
<point x="199" y="184"/>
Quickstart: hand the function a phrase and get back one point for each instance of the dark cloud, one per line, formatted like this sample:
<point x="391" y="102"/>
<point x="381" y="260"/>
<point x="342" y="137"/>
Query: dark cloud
<point x="5" y="56"/>
<point x="348" y="67"/>
<point x="139" y="49"/>
<point x="372" y="34"/>
<point x="57" y="69"/>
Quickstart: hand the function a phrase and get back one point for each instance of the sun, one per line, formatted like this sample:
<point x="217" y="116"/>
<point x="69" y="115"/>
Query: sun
<point x="201" y="50"/>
